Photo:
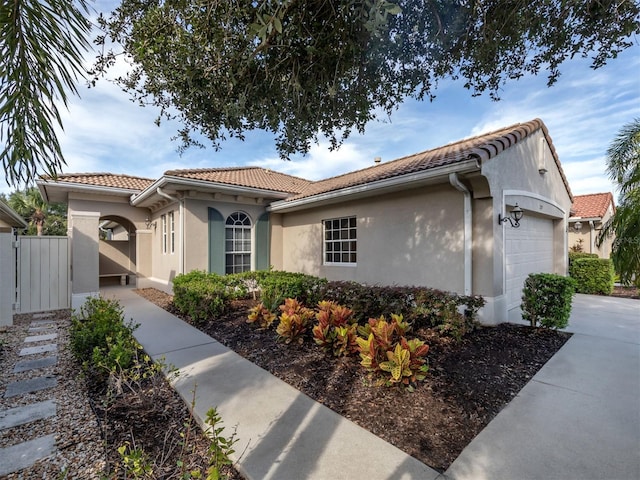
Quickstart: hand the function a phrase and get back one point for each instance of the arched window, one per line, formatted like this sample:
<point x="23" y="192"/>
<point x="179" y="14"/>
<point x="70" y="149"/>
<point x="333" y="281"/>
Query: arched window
<point x="237" y="244"/>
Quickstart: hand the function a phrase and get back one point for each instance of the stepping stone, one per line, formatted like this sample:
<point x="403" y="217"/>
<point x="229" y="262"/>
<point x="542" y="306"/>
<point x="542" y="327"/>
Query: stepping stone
<point x="41" y="329"/>
<point x="29" y="413"/>
<point x="49" y="347"/>
<point x="28" y="386"/>
<point x="40" y="338"/>
<point x="43" y="315"/>
<point x="24" y="365"/>
<point x="40" y="323"/>
<point x="25" y="454"/>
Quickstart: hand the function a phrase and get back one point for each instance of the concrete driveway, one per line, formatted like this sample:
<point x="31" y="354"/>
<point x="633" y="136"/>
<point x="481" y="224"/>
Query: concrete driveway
<point x="579" y="417"/>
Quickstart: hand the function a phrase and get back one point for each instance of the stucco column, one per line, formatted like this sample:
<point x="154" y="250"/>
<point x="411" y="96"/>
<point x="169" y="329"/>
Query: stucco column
<point x="85" y="256"/>
<point x="7" y="278"/>
<point x="143" y="258"/>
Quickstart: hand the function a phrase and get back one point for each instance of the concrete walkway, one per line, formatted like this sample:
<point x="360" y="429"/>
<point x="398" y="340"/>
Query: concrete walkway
<point x="282" y="433"/>
<point x="578" y="418"/>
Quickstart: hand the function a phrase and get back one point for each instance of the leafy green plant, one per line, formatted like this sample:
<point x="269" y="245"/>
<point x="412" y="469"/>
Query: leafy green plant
<point x="278" y="285"/>
<point x="336" y="331"/>
<point x="593" y="275"/>
<point x="135" y="461"/>
<point x="200" y="295"/>
<point x="294" y="321"/>
<point x="98" y="333"/>
<point x="420" y="306"/>
<point x="220" y="447"/>
<point x="546" y="300"/>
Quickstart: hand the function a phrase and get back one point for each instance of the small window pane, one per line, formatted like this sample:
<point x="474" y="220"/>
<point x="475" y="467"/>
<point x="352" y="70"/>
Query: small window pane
<point x="340" y="245"/>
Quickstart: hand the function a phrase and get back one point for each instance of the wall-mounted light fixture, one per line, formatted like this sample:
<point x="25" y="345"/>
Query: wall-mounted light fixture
<point x="577" y="226"/>
<point x="514" y="217"/>
<point x="149" y="223"/>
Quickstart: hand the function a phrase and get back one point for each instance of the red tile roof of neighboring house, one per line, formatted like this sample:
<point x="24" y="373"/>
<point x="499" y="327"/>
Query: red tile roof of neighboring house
<point x="483" y="147"/>
<point x="110" y="180"/>
<point x="594" y="205"/>
<point x="253" y="177"/>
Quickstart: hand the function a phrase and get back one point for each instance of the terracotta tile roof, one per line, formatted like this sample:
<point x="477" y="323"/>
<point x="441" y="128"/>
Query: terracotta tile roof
<point x="594" y="205"/>
<point x="253" y="177"/>
<point x="111" y="180"/>
<point x="483" y="147"/>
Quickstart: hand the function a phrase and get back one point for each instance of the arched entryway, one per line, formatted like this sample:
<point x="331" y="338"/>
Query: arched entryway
<point x="117" y="251"/>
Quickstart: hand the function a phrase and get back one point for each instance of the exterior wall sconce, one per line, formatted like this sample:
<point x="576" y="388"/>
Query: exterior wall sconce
<point x="514" y="217"/>
<point x="149" y="223"/>
<point x="577" y="226"/>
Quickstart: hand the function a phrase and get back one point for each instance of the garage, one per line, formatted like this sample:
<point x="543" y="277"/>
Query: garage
<point x="528" y="249"/>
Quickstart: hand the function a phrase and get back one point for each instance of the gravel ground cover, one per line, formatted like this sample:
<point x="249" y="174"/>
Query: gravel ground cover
<point x="88" y="431"/>
<point x="79" y="453"/>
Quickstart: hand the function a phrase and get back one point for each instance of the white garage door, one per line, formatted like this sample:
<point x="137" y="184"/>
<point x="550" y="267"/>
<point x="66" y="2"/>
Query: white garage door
<point x="529" y="249"/>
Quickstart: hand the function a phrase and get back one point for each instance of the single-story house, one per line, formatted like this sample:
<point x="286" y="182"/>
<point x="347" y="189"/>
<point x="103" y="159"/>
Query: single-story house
<point x="475" y="217"/>
<point x="588" y="214"/>
<point x="9" y="222"/>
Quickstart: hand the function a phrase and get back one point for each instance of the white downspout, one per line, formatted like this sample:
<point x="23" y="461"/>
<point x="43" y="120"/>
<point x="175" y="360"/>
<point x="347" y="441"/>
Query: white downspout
<point x="454" y="180"/>
<point x="181" y="233"/>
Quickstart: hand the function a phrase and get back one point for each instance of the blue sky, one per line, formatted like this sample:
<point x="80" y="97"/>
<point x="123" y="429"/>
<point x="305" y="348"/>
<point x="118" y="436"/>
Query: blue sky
<point x="105" y="132"/>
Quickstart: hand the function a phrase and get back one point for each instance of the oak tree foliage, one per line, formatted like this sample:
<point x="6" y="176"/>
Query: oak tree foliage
<point x="309" y="68"/>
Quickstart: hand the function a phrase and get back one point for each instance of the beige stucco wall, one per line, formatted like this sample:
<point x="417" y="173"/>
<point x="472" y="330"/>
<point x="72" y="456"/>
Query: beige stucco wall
<point x="85" y="211"/>
<point x="406" y="238"/>
<point x="514" y="177"/>
<point x="116" y="256"/>
<point x="196" y="242"/>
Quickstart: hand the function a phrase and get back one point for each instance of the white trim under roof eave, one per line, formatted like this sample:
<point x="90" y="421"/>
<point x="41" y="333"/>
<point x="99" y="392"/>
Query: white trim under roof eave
<point x="12" y="215"/>
<point x="84" y="187"/>
<point x="405" y="181"/>
<point x="189" y="182"/>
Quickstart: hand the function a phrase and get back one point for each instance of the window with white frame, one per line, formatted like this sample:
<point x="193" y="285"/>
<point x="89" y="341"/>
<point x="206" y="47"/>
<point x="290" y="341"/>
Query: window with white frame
<point x="340" y="240"/>
<point x="163" y="224"/>
<point x="237" y="243"/>
<point x="172" y="233"/>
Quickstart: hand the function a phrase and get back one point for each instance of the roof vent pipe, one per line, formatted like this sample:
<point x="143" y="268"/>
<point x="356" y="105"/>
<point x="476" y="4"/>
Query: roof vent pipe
<point x="377" y="160"/>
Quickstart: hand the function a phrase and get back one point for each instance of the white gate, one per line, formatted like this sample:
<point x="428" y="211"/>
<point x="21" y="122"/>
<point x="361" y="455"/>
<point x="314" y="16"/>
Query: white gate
<point x="44" y="282"/>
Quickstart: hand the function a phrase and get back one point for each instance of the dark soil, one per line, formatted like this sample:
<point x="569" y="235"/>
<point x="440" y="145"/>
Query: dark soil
<point x="627" y="292"/>
<point x="151" y="416"/>
<point x="468" y="382"/>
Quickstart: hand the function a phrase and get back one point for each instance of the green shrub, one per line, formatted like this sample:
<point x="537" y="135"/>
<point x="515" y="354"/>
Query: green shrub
<point x="546" y="300"/>
<point x="420" y="306"/>
<point x="593" y="275"/>
<point x="99" y="335"/>
<point x="280" y="285"/>
<point x="576" y="255"/>
<point x="204" y="295"/>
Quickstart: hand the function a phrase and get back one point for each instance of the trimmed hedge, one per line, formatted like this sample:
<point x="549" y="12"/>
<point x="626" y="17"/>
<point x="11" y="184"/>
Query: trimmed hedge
<point x="421" y="306"/>
<point x="546" y="300"/>
<point x="593" y="275"/>
<point x="576" y="255"/>
<point x="204" y="295"/>
<point x="278" y="285"/>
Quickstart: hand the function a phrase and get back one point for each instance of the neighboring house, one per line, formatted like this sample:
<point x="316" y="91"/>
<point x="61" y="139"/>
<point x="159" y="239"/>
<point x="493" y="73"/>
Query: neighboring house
<point x="588" y="214"/>
<point x="9" y="221"/>
<point x="429" y="219"/>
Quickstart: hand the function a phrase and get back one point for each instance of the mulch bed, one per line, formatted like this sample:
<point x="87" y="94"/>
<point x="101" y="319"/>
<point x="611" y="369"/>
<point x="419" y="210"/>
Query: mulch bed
<point x="468" y="383"/>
